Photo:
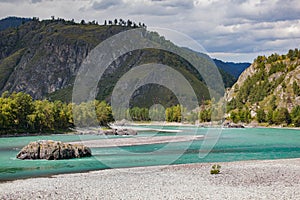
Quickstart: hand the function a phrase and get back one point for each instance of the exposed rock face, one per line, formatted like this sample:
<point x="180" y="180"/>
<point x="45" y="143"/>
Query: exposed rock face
<point x="280" y="86"/>
<point x="53" y="150"/>
<point x="43" y="57"/>
<point x="250" y="71"/>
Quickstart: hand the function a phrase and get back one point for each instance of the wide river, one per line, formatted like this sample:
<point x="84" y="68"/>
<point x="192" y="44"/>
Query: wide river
<point x="231" y="145"/>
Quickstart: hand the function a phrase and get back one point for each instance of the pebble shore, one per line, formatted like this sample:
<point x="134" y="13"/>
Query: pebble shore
<point x="268" y="179"/>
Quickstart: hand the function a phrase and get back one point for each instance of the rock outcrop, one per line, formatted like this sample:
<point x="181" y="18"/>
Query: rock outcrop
<point x="124" y="131"/>
<point x="53" y="150"/>
<point x="268" y="82"/>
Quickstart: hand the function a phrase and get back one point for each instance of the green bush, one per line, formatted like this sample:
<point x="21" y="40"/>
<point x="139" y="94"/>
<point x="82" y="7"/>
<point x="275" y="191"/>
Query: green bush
<point x="215" y="169"/>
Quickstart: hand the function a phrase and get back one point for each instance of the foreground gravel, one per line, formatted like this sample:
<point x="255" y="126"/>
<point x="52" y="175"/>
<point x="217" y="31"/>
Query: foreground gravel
<point x="272" y="179"/>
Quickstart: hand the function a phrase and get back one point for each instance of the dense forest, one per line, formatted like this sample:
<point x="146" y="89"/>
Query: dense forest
<point x="19" y="113"/>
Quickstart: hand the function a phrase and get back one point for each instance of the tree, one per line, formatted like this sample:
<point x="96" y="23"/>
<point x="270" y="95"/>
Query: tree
<point x="261" y="116"/>
<point x="234" y="117"/>
<point x="21" y="107"/>
<point x="273" y="103"/>
<point x="104" y="113"/>
<point x="169" y="114"/>
<point x="173" y="114"/>
<point x="295" y="115"/>
<point x="129" y="23"/>
<point x="281" y="116"/>
<point x="292" y="54"/>
<point x="296" y="88"/>
<point x="269" y="117"/>
<point x="177" y="113"/>
<point x="244" y="115"/>
<point x="205" y="115"/>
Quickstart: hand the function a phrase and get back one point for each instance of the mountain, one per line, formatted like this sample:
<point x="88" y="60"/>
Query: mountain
<point x="270" y="84"/>
<point x="235" y="69"/>
<point x="12" y="22"/>
<point x="42" y="58"/>
<point x="228" y="77"/>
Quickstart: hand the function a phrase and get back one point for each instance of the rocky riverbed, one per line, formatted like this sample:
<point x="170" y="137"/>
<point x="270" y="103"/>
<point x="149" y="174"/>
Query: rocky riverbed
<point x="270" y="179"/>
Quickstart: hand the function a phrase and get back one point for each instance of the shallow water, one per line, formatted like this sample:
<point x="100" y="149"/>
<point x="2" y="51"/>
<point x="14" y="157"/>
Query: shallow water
<point x="232" y="145"/>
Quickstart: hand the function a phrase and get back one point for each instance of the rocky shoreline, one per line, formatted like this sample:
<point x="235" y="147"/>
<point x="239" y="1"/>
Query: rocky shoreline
<point x="265" y="179"/>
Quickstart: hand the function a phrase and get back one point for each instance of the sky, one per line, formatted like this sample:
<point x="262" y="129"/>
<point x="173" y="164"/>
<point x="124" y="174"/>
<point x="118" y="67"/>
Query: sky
<point x="231" y="30"/>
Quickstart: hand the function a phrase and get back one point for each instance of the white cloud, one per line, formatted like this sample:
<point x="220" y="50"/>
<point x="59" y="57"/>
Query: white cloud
<point x="223" y="27"/>
<point x="105" y="4"/>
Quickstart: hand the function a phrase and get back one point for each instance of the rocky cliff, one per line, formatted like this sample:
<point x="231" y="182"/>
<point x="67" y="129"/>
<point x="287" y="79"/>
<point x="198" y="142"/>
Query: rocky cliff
<point x="269" y="83"/>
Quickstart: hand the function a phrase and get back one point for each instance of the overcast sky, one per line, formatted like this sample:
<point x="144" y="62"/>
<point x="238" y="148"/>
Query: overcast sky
<point x="231" y="30"/>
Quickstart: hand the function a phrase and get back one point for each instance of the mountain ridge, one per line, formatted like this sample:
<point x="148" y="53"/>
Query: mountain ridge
<point x="42" y="58"/>
<point x="232" y="68"/>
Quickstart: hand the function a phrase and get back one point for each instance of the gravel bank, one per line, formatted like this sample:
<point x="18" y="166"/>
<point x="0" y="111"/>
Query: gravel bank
<point x="272" y="179"/>
<point x="132" y="141"/>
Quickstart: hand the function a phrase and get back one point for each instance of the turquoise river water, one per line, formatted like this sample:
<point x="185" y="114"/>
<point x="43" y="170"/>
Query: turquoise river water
<point x="232" y="145"/>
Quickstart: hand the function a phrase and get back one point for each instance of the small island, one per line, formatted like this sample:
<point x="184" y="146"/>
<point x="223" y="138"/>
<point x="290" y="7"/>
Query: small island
<point x="53" y="150"/>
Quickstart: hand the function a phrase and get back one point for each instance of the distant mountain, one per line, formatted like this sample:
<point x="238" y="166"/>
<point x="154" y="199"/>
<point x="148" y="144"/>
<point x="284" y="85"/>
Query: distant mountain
<point x="42" y="58"/>
<point x="235" y="69"/>
<point x="11" y="22"/>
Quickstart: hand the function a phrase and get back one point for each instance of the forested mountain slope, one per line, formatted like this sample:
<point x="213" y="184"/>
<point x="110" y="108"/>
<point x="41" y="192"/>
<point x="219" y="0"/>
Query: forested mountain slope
<point x="42" y="58"/>
<point x="269" y="88"/>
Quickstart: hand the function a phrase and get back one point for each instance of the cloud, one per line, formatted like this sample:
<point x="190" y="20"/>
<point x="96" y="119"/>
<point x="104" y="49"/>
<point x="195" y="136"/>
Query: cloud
<point x="36" y="1"/>
<point x="105" y="4"/>
<point x="223" y="27"/>
<point x="144" y="7"/>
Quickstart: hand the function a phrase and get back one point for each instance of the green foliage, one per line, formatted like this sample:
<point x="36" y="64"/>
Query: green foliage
<point x="244" y="115"/>
<point x="215" y="169"/>
<point x="261" y="116"/>
<point x="241" y="115"/>
<point x="157" y="113"/>
<point x="273" y="58"/>
<point x="295" y="115"/>
<point x="296" y="88"/>
<point x="273" y="102"/>
<point x="19" y="113"/>
<point x="281" y="115"/>
<point x="269" y="117"/>
<point x="234" y="117"/>
<point x="139" y="114"/>
<point x="205" y="115"/>
<point x="173" y="114"/>
<point x="277" y="67"/>
<point x="293" y="54"/>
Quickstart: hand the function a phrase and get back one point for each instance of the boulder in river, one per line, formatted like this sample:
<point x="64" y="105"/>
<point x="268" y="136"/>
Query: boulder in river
<point x="53" y="150"/>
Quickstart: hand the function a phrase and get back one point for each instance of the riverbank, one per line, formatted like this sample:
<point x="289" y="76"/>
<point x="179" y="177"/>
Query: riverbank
<point x="133" y="141"/>
<point x="208" y="125"/>
<point x="265" y="179"/>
